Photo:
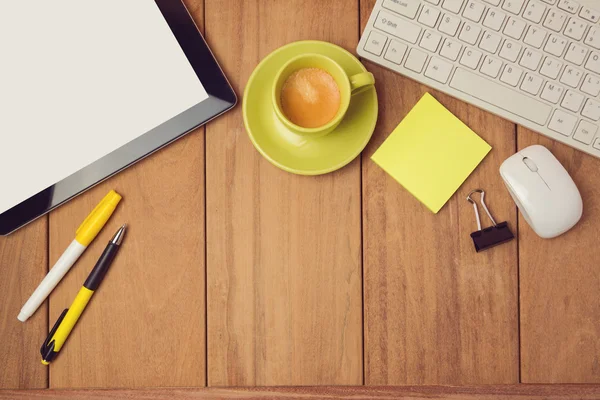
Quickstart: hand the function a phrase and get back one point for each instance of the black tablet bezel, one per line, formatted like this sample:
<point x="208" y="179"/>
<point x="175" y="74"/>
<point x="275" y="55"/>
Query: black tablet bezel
<point x="221" y="98"/>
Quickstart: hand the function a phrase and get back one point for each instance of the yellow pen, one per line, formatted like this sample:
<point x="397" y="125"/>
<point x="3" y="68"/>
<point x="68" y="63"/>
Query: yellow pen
<point x="68" y="318"/>
<point x="85" y="234"/>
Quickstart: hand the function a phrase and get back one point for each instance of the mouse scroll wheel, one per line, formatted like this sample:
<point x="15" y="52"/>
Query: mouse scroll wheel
<point x="530" y="164"/>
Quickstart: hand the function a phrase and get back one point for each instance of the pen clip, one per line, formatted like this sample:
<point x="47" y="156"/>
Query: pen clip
<point x="44" y="348"/>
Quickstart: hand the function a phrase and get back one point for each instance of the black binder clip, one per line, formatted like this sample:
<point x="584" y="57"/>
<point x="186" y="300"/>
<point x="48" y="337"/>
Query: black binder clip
<point x="492" y="236"/>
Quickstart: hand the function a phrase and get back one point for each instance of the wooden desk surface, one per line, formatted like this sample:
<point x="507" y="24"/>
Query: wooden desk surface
<point x="235" y="273"/>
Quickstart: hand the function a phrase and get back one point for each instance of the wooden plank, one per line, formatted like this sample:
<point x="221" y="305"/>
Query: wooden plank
<point x="283" y="251"/>
<point x="514" y="392"/>
<point x="196" y="10"/>
<point x="146" y="325"/>
<point x="559" y="281"/>
<point x="24" y="263"/>
<point x="436" y="312"/>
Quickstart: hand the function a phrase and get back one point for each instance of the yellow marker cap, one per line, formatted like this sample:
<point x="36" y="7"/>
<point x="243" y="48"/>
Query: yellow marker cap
<point x="94" y="222"/>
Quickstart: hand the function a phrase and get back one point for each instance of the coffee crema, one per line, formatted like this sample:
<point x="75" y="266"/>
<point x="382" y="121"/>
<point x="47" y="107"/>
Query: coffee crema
<point x="310" y="97"/>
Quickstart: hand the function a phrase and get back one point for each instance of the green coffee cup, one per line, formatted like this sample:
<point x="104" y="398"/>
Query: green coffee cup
<point x="348" y="85"/>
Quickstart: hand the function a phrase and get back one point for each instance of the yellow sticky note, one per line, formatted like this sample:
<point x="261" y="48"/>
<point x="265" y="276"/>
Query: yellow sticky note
<point x="431" y="153"/>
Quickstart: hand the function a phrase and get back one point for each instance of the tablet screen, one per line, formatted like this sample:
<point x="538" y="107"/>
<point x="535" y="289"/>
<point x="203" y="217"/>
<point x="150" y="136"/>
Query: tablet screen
<point x="78" y="80"/>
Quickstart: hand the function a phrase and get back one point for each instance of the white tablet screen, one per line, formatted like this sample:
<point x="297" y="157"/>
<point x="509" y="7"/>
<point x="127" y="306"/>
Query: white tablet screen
<point x="79" y="79"/>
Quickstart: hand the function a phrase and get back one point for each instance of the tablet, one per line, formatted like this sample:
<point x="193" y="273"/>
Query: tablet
<point x="89" y="88"/>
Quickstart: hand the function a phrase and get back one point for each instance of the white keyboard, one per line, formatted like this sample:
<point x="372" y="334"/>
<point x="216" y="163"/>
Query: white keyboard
<point x="534" y="62"/>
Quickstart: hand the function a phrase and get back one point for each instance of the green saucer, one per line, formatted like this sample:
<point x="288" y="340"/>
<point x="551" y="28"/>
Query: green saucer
<point x="299" y="154"/>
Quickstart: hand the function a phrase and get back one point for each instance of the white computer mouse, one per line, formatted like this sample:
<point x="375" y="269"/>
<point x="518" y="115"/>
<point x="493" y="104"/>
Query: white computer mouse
<point x="543" y="190"/>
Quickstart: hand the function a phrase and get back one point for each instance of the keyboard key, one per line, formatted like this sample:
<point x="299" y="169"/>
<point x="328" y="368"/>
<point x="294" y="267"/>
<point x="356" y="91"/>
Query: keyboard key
<point x="593" y="63"/>
<point x="469" y="33"/>
<point x="494" y="19"/>
<point x="571" y="76"/>
<point x="572" y="101"/>
<point x="575" y="29"/>
<point x="576" y="54"/>
<point x="416" y="60"/>
<point x="474" y="10"/>
<point x="591" y="110"/>
<point x="534" y="11"/>
<point x="471" y="58"/>
<point x="562" y="123"/>
<point x="429" y="16"/>
<point x="493" y="2"/>
<point x="375" y="43"/>
<point x="531" y="59"/>
<point x="585" y="132"/>
<point x="449" y="24"/>
<point x="532" y="84"/>
<point x="514" y="28"/>
<point x="551" y="2"/>
<point x="593" y="38"/>
<point x="397" y="26"/>
<point x="596" y="144"/>
<point x="501" y="96"/>
<point x="434" y="2"/>
<point x="510" y="50"/>
<point x="551" y="68"/>
<point x="453" y="5"/>
<point x="395" y="52"/>
<point x="438" y="70"/>
<point x="591" y="85"/>
<point x="408" y="8"/>
<point x="430" y="41"/>
<point x="490" y="42"/>
<point x="556" y="45"/>
<point x="589" y="14"/>
<point x="569" y="6"/>
<point x="513" y="6"/>
<point x="552" y="92"/>
<point x="491" y="67"/>
<point x="555" y="20"/>
<point x="535" y="37"/>
<point x="451" y="49"/>
<point x="511" y="75"/>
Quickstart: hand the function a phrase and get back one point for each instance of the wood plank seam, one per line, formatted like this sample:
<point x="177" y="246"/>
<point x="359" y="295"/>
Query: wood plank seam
<point x="47" y="301"/>
<point x="518" y="222"/>
<point x="362" y="230"/>
<point x="204" y="131"/>
<point x="491" y="392"/>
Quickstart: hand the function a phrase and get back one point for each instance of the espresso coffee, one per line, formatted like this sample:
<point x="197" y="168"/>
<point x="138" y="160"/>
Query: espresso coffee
<point x="310" y="97"/>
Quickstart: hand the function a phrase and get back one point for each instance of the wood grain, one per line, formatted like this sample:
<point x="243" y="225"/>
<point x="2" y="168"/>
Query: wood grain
<point x="560" y="307"/>
<point x="146" y="323"/>
<point x="23" y="264"/>
<point x="514" y="392"/>
<point x="284" y="264"/>
<point x="283" y="251"/>
<point x="436" y="312"/>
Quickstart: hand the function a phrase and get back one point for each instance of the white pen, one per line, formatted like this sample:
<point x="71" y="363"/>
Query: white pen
<point x="85" y="234"/>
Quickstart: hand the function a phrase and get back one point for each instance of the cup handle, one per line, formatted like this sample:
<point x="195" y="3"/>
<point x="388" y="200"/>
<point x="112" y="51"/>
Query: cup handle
<point x="361" y="82"/>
